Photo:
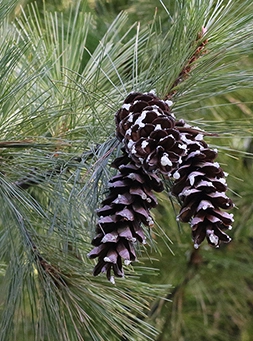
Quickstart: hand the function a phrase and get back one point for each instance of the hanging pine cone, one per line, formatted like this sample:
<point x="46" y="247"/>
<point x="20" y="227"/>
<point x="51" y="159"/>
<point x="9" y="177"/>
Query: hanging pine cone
<point x="124" y="210"/>
<point x="200" y="186"/>
<point x="154" y="142"/>
<point x="147" y="129"/>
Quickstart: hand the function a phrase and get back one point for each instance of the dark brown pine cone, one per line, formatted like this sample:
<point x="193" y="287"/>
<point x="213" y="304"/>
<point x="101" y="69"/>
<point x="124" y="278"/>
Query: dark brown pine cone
<point x="200" y="186"/>
<point x="154" y="142"/>
<point x="124" y="210"/>
<point x="147" y="129"/>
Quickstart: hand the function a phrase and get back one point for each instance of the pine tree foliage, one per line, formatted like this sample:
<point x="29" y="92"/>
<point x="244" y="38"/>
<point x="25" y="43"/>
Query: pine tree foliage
<point x="65" y="75"/>
<point x="51" y="112"/>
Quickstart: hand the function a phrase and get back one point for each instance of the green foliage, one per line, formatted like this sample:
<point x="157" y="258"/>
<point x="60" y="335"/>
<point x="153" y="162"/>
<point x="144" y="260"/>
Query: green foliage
<point x="63" y="76"/>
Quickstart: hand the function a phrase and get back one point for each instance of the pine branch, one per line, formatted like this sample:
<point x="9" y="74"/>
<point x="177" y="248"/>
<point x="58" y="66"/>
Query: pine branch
<point x="193" y="267"/>
<point x="42" y="264"/>
<point x="189" y="66"/>
<point x="189" y="276"/>
<point x="36" y="178"/>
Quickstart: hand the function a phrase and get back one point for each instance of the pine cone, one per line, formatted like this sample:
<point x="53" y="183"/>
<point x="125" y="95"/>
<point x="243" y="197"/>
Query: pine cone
<point x="200" y="186"/>
<point x="154" y="142"/>
<point x="147" y="129"/>
<point x="124" y="210"/>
